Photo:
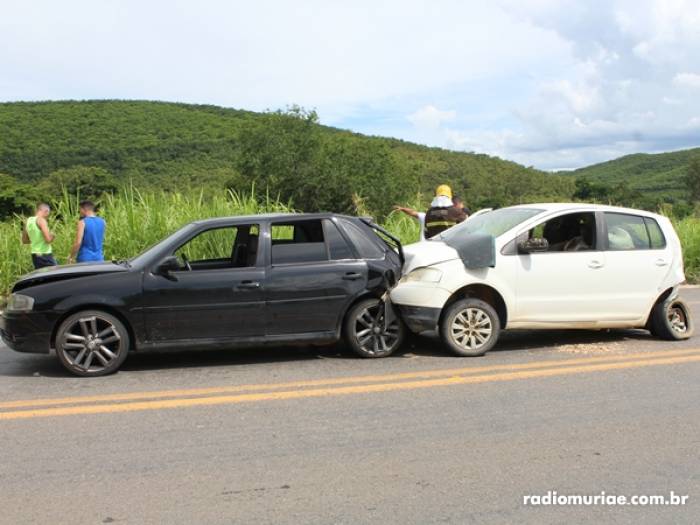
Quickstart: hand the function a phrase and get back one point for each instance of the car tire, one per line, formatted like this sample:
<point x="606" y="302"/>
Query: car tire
<point x="470" y="327"/>
<point x="366" y="334"/>
<point x="92" y="343"/>
<point x="670" y="320"/>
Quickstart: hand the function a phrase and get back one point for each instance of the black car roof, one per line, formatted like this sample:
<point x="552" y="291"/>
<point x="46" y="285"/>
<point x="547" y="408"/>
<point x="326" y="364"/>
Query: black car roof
<point x="269" y="217"/>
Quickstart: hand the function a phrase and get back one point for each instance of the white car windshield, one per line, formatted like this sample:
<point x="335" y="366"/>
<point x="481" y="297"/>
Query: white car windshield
<point x="494" y="223"/>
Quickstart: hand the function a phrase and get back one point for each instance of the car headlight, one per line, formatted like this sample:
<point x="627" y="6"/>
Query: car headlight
<point x="426" y="275"/>
<point x="20" y="303"/>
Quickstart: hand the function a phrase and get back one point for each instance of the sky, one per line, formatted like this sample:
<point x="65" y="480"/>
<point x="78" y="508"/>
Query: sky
<point x="555" y="84"/>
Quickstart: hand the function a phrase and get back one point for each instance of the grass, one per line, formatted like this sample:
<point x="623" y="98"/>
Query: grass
<point x="404" y="227"/>
<point x="136" y="220"/>
<point x="688" y="230"/>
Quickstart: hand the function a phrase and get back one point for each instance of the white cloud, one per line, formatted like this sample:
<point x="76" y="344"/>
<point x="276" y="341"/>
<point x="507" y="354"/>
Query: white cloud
<point x="264" y="54"/>
<point x="431" y="118"/>
<point x="665" y="31"/>
<point x="671" y="101"/>
<point x="623" y="93"/>
<point x="691" y="80"/>
<point x="552" y="83"/>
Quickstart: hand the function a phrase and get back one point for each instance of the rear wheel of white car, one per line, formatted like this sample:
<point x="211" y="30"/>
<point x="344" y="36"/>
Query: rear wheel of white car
<point x="368" y="334"/>
<point x="670" y="320"/>
<point x="92" y="343"/>
<point x="470" y="327"/>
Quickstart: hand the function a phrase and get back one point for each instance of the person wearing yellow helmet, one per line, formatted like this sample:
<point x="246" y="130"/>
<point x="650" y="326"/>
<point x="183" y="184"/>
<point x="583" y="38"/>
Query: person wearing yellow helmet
<point x="442" y="213"/>
<point x="444" y="200"/>
<point x="443" y="191"/>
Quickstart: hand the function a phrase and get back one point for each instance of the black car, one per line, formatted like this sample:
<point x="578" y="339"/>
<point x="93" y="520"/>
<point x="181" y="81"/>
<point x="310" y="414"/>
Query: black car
<point x="217" y="283"/>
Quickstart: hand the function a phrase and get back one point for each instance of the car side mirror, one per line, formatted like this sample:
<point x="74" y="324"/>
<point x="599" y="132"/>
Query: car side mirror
<point x="533" y="245"/>
<point x="167" y="265"/>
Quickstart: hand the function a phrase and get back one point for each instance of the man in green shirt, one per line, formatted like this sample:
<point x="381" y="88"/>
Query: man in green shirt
<point x="37" y="234"/>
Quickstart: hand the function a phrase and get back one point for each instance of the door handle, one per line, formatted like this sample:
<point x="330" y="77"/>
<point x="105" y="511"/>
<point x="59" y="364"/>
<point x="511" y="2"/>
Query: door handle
<point x="595" y="265"/>
<point x="352" y="276"/>
<point x="248" y="285"/>
<point x="661" y="262"/>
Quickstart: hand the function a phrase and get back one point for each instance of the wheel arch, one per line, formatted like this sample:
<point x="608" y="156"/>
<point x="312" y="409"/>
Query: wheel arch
<point x="660" y="299"/>
<point x="102" y="308"/>
<point x="483" y="292"/>
<point x="365" y="294"/>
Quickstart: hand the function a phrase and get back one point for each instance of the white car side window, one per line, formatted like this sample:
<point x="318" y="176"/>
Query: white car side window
<point x="619" y="239"/>
<point x="572" y="232"/>
<point x="627" y="232"/>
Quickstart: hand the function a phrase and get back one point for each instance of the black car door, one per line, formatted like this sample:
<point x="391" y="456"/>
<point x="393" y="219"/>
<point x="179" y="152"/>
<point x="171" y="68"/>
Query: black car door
<point x="312" y="277"/>
<point x="217" y="294"/>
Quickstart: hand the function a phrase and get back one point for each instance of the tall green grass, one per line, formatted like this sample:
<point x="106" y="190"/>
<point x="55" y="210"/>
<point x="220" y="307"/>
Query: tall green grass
<point x="689" y="232"/>
<point x="404" y="227"/>
<point x="136" y="220"/>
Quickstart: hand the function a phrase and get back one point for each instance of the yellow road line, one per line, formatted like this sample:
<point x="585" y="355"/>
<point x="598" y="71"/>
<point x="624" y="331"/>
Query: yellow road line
<point x="207" y="391"/>
<point x="342" y="390"/>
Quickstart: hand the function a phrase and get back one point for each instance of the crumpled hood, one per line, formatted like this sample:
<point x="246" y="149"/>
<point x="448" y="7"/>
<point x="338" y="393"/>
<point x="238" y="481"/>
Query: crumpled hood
<point x="70" y="271"/>
<point x="426" y="253"/>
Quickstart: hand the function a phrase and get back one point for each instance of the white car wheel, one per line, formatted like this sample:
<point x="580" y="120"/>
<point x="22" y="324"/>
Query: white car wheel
<point x="671" y="320"/>
<point x="470" y="327"/>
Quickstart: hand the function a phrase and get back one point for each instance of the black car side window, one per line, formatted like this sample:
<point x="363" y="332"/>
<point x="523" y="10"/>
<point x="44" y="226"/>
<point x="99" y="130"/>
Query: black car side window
<point x="219" y="248"/>
<point x="337" y="246"/>
<point x="298" y="242"/>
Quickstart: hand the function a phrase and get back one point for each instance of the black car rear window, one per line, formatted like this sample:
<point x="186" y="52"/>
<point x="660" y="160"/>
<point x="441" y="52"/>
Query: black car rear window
<point x="367" y="247"/>
<point x="337" y="246"/>
<point x="296" y="242"/>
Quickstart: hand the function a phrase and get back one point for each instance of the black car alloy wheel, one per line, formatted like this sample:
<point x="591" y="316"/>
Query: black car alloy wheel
<point x="92" y="343"/>
<point x="369" y="334"/>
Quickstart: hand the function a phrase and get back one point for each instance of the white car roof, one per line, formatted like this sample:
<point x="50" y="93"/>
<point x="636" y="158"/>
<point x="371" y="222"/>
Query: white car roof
<point x="565" y="206"/>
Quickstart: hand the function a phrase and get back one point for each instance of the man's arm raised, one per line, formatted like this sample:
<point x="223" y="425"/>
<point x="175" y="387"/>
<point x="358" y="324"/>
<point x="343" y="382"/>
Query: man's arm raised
<point x="408" y="211"/>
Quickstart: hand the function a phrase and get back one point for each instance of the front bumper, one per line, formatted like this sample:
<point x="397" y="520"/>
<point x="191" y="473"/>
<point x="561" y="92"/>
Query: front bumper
<point x="26" y="332"/>
<point x="420" y="318"/>
<point x="420" y="304"/>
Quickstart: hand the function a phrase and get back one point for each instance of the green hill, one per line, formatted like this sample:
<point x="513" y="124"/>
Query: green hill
<point x="98" y="145"/>
<point x="655" y="177"/>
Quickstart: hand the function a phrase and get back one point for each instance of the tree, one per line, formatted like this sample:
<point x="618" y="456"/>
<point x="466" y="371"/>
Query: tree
<point x="277" y="152"/>
<point x="347" y="168"/>
<point x="591" y="192"/>
<point x="87" y="182"/>
<point x="15" y="197"/>
<point x="89" y="147"/>
<point x="623" y="195"/>
<point x="692" y="179"/>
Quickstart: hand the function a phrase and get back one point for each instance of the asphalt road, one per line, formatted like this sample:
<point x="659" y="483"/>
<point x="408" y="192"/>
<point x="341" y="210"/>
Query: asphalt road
<point x="304" y="435"/>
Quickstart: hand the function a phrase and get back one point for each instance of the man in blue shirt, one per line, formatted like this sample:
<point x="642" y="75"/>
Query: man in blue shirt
<point x="89" y="236"/>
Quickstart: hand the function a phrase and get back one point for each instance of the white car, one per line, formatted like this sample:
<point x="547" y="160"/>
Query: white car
<point x="545" y="266"/>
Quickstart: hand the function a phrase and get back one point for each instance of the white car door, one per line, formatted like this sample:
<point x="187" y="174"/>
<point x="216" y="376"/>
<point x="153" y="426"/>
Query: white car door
<point x="637" y="260"/>
<point x="566" y="283"/>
